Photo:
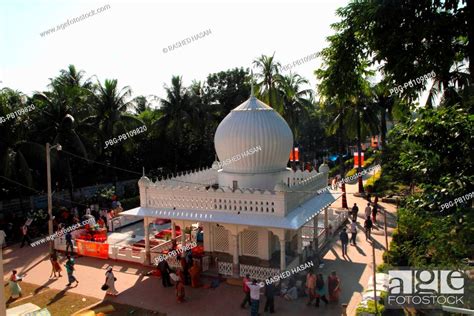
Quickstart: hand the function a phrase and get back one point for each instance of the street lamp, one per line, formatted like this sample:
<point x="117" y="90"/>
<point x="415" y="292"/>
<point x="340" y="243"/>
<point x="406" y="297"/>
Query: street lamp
<point x="50" y="198"/>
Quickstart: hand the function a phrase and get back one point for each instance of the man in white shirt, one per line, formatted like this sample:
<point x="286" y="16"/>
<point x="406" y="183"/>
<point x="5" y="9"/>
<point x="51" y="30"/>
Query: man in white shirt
<point x="368" y="210"/>
<point x="254" y="296"/>
<point x="354" y="233"/>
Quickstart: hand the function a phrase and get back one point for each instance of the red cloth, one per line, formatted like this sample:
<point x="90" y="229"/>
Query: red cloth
<point x="245" y="286"/>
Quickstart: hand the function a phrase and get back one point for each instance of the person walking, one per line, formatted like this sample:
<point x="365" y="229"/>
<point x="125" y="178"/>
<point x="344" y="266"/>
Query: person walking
<point x="334" y="287"/>
<point x="309" y="252"/>
<point x="353" y="233"/>
<point x="24" y="231"/>
<point x="254" y="296"/>
<point x="15" y="288"/>
<point x="374" y="213"/>
<point x="70" y="271"/>
<point x="110" y="281"/>
<point x="311" y="286"/>
<point x="355" y="210"/>
<point x="246" y="290"/>
<point x="195" y="274"/>
<point x="56" y="267"/>
<point x="270" y="291"/>
<point x="367" y="210"/>
<point x="165" y="270"/>
<point x="69" y="244"/>
<point x="320" y="290"/>
<point x="180" y="292"/>
<point x="344" y="241"/>
<point x="368" y="228"/>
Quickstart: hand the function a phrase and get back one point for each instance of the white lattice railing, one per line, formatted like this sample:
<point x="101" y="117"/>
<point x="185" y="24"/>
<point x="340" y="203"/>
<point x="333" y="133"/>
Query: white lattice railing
<point x="224" y="268"/>
<point x="205" y="263"/>
<point x="259" y="273"/>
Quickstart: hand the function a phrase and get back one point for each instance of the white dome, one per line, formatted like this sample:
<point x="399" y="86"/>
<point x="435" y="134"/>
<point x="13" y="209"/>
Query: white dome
<point x="253" y="125"/>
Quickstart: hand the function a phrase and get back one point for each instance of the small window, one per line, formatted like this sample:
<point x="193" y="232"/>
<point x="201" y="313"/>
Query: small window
<point x="234" y="185"/>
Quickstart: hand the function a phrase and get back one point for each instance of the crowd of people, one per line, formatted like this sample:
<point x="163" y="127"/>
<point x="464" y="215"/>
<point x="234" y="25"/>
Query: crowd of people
<point x="189" y="273"/>
<point x="370" y="220"/>
<point x="312" y="286"/>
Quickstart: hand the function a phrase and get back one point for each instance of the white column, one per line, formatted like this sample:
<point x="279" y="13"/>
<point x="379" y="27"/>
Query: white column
<point x="282" y="254"/>
<point x="146" y="223"/>
<point x="2" y="288"/>
<point x="326" y="222"/>
<point x="207" y="236"/>
<point x="235" y="239"/>
<point x="183" y="235"/>
<point x="316" y="233"/>
<point x="300" y="241"/>
<point x="173" y="230"/>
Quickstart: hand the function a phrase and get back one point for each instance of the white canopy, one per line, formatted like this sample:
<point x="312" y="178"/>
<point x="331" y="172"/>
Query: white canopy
<point x="294" y="220"/>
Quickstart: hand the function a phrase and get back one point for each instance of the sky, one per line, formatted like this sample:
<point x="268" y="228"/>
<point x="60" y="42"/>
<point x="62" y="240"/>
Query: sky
<point x="126" y="41"/>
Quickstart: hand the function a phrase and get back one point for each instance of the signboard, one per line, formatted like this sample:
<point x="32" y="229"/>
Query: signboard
<point x="356" y="159"/>
<point x="92" y="249"/>
<point x="297" y="155"/>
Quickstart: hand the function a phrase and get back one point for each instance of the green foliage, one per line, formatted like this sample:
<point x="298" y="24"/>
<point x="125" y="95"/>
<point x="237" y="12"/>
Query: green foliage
<point x="431" y="151"/>
<point x="130" y="203"/>
<point x="370" y="309"/>
<point x="372" y="181"/>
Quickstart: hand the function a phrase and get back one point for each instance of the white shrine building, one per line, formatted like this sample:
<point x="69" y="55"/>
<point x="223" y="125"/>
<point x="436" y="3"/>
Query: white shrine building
<point x="255" y="212"/>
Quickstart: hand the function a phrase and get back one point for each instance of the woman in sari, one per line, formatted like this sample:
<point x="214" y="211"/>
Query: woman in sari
<point x="55" y="265"/>
<point x="15" y="288"/>
<point x="195" y="273"/>
<point x="334" y="287"/>
<point x="320" y="290"/>
<point x="110" y="281"/>
<point x="179" y="291"/>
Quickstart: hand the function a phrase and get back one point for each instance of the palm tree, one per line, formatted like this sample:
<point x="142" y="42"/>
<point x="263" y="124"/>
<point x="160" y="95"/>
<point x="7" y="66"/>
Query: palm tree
<point x="63" y="111"/>
<point x="17" y="156"/>
<point x="142" y="103"/>
<point x="176" y="113"/>
<point x="269" y="77"/>
<point x="111" y="105"/>
<point x="362" y="120"/>
<point x="111" y="117"/>
<point x="296" y="101"/>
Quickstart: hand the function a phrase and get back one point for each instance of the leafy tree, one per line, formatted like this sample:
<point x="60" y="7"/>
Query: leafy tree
<point x="410" y="39"/>
<point x="17" y="155"/>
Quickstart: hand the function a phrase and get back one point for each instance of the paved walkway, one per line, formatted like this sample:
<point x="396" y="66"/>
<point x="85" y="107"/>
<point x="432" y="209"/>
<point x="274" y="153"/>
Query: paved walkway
<point x="147" y="292"/>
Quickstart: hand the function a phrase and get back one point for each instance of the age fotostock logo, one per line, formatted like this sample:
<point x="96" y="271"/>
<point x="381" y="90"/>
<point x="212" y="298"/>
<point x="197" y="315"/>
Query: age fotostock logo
<point x="425" y="288"/>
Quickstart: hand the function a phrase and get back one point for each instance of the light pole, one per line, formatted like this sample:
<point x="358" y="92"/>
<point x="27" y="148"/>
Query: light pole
<point x="50" y="198"/>
<point x="2" y="288"/>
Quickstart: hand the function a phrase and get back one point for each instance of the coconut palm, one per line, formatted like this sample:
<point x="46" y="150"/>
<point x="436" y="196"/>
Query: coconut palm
<point x="267" y="87"/>
<point x="296" y="101"/>
<point x="111" y="105"/>
<point x="17" y="156"/>
<point x="176" y="114"/>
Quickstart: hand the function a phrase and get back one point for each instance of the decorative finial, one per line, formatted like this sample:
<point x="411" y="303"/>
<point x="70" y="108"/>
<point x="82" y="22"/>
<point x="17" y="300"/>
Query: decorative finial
<point x="143" y="171"/>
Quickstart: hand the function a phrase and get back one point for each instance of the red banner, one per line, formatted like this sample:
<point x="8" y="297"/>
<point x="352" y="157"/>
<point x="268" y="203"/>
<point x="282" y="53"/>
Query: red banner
<point x="297" y="155"/>
<point x="356" y="159"/>
<point x="92" y="249"/>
